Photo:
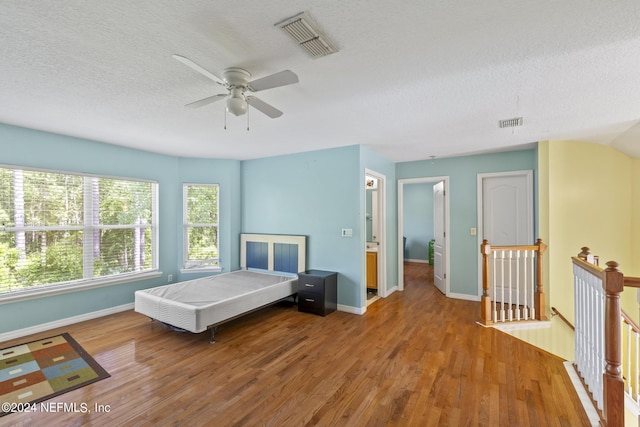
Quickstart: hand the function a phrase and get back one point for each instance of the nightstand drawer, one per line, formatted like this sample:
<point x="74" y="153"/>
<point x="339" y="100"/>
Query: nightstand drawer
<point x="311" y="303"/>
<point x="312" y="285"/>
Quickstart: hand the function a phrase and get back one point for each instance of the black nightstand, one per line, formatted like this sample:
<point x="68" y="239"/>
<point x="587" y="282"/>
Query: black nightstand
<point x="318" y="291"/>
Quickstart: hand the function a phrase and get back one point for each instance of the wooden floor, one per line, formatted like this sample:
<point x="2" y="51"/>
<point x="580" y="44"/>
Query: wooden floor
<point x="415" y="358"/>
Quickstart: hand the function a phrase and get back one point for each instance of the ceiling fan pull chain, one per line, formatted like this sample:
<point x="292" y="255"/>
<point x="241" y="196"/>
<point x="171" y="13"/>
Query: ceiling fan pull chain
<point x="248" y="118"/>
<point x="225" y="118"/>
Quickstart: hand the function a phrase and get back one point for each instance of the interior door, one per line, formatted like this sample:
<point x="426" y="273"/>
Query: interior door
<point x="507" y="215"/>
<point x="439" y="260"/>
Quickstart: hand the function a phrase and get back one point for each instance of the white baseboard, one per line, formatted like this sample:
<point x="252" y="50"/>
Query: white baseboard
<point x="419" y="261"/>
<point x="64" y="322"/>
<point x="522" y="325"/>
<point x="464" y="296"/>
<point x="392" y="290"/>
<point x="351" y="309"/>
<point x="592" y="414"/>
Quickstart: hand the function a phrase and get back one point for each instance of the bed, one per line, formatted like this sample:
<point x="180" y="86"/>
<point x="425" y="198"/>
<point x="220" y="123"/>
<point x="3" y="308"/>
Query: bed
<point x="269" y="262"/>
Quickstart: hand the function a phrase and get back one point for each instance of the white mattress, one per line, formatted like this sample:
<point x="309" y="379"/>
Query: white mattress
<point x="197" y="304"/>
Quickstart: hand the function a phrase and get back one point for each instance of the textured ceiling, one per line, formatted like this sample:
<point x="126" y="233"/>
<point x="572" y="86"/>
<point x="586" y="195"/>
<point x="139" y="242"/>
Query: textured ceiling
<point x="412" y="79"/>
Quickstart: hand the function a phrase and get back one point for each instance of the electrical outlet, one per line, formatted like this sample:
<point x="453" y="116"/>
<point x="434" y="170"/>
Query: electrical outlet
<point x="170" y="278"/>
<point x="473" y="231"/>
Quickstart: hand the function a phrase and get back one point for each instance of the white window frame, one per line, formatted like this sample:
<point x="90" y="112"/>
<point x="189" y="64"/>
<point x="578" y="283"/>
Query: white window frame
<point x="85" y="283"/>
<point x="196" y="266"/>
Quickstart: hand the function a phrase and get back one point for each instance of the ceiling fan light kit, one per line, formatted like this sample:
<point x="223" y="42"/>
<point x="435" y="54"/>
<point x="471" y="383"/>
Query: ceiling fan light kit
<point x="237" y="106"/>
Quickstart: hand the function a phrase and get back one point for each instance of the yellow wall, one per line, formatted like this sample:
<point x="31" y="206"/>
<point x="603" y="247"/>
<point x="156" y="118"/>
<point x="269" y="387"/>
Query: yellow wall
<point x="543" y="218"/>
<point x="585" y="200"/>
<point x="635" y="218"/>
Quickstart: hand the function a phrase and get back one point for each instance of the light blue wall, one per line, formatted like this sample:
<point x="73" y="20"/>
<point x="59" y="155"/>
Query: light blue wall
<point x="463" y="203"/>
<point x="26" y="147"/>
<point x="417" y="221"/>
<point x="316" y="194"/>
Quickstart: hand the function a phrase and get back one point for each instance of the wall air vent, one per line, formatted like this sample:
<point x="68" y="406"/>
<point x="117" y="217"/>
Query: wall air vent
<point x="306" y="33"/>
<point x="510" y="123"/>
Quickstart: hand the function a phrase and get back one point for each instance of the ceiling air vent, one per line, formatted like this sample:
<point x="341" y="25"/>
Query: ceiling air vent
<point x="510" y="123"/>
<point x="306" y="33"/>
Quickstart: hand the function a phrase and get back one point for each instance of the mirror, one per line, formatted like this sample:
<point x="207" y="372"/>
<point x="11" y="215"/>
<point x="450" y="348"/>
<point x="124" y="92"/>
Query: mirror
<point x="372" y="206"/>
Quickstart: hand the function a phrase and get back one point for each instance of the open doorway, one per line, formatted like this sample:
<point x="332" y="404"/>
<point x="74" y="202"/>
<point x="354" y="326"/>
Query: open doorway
<point x="438" y="210"/>
<point x="375" y="285"/>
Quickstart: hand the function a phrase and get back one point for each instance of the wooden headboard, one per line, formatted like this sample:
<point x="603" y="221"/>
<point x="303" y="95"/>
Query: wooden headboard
<point x="276" y="252"/>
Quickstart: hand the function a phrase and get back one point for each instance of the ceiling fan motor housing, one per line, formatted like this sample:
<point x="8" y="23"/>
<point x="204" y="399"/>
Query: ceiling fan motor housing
<point x="236" y="79"/>
<point x="236" y="76"/>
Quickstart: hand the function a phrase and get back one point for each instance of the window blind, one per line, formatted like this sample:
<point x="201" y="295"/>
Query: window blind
<point x="201" y="225"/>
<point x="58" y="227"/>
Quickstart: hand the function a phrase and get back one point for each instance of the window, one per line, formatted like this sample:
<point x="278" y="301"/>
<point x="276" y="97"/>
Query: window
<point x="201" y="227"/>
<point x="67" y="230"/>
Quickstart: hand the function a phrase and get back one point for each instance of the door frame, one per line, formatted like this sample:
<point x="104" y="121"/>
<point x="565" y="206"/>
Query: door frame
<point x="447" y="224"/>
<point x="382" y="244"/>
<point x="528" y="173"/>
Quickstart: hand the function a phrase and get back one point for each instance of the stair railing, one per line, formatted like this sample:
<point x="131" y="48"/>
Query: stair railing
<point x="512" y="286"/>
<point x="607" y="341"/>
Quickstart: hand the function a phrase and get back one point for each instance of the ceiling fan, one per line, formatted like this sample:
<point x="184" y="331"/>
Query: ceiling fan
<point x="236" y="81"/>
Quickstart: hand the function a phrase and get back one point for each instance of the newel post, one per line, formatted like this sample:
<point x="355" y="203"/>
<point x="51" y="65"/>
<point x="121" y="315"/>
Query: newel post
<point x="485" y="301"/>
<point x="613" y="382"/>
<point x="584" y="253"/>
<point x="540" y="301"/>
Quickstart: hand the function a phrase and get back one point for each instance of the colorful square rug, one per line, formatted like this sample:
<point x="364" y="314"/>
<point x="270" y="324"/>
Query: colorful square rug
<point x="39" y="370"/>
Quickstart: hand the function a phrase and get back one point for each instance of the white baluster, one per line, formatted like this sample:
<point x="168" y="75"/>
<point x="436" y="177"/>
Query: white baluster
<point x="509" y="279"/>
<point x="502" y="316"/>
<point x="495" y="288"/>
<point x="532" y="281"/>
<point x="636" y="376"/>
<point x="626" y="342"/>
<point x="518" y="285"/>
<point x="525" y="307"/>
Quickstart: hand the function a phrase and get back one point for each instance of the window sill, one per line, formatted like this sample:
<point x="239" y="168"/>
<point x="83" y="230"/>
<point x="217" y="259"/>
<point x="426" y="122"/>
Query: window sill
<point x="81" y="285"/>
<point x="200" y="270"/>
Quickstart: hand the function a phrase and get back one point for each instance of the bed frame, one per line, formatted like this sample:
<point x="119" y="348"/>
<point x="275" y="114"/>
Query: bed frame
<point x="258" y="252"/>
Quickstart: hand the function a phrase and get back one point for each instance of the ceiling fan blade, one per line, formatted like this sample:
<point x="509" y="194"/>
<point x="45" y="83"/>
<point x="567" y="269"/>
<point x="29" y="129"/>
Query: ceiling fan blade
<point x="263" y="107"/>
<point x="282" y="78"/>
<point x="189" y="63"/>
<point x="207" y="101"/>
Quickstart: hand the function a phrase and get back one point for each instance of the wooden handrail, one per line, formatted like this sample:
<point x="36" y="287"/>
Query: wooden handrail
<point x="628" y="320"/>
<point x="591" y="268"/>
<point x="632" y="282"/>
<point x="564" y="319"/>
<point x="514" y="248"/>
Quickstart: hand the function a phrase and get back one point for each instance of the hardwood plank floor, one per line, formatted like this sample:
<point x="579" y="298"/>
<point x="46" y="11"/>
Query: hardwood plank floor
<point x="415" y="358"/>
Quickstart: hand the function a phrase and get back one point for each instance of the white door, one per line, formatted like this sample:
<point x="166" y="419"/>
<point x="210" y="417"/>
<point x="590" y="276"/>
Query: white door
<point x="507" y="215"/>
<point x="439" y="260"/>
